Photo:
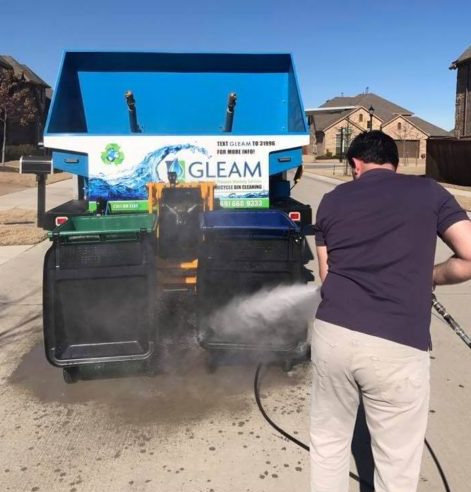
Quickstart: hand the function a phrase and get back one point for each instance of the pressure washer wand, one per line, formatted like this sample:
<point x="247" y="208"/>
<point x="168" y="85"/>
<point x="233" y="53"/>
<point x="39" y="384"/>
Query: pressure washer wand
<point x="451" y="321"/>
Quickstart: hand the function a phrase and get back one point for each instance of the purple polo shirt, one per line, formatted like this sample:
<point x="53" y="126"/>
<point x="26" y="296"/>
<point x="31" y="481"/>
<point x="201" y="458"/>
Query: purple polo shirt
<point x="380" y="231"/>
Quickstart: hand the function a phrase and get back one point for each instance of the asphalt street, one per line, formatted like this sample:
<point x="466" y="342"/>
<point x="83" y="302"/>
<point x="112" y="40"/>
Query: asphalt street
<point x="188" y="430"/>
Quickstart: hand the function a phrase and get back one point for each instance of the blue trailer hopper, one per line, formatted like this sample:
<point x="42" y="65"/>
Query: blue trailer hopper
<point x="176" y="94"/>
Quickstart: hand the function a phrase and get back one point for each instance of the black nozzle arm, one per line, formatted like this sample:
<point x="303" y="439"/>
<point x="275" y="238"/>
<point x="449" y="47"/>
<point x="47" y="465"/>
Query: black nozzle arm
<point x="299" y="174"/>
<point x="131" y="102"/>
<point x="231" y="102"/>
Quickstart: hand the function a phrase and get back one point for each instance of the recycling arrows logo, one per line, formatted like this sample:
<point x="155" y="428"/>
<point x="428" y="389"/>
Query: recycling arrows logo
<point x="112" y="154"/>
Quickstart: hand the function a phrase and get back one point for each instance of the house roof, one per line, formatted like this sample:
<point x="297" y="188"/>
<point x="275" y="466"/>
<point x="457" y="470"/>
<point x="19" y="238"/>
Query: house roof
<point x="424" y="126"/>
<point x="465" y="56"/>
<point x="4" y="64"/>
<point x="384" y="109"/>
<point x="324" y="119"/>
<point x="19" y="69"/>
<point x="429" y="128"/>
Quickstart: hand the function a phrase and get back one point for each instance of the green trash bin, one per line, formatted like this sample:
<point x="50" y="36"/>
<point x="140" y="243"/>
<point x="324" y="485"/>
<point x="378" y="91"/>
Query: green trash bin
<point x="99" y="290"/>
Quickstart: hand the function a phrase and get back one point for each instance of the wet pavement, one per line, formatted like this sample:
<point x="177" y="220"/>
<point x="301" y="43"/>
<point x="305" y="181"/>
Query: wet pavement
<point x="183" y="430"/>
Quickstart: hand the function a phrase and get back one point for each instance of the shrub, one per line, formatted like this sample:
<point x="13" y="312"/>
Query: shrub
<point x="327" y="155"/>
<point x="14" y="152"/>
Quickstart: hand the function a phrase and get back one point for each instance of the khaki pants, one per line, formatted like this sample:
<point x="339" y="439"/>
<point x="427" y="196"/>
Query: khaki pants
<point x="393" y="382"/>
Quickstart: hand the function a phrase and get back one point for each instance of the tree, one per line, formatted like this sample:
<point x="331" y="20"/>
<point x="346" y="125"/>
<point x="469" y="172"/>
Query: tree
<point x="17" y="103"/>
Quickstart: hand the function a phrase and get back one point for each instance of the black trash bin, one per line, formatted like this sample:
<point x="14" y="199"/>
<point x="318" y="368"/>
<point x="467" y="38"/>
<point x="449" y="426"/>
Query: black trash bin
<point x="242" y="253"/>
<point x="98" y="291"/>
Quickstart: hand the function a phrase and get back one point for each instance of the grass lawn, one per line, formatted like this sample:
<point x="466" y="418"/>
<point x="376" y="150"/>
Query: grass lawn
<point x="18" y="226"/>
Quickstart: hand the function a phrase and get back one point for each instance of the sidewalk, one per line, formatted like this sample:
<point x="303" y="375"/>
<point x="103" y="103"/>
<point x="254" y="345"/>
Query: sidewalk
<point x="56" y="194"/>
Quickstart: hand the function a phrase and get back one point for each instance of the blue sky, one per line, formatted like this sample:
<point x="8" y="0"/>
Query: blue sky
<point x="400" y="50"/>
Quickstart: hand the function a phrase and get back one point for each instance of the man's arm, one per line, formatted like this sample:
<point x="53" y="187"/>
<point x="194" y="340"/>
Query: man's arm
<point x="322" y="261"/>
<point x="457" y="268"/>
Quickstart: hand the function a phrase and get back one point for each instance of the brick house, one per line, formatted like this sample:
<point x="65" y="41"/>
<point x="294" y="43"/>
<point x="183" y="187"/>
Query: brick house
<point x="41" y="92"/>
<point x="463" y="95"/>
<point x="335" y="123"/>
<point x="448" y="158"/>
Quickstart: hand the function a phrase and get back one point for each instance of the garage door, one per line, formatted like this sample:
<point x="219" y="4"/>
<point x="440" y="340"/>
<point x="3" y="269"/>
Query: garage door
<point x="408" y="148"/>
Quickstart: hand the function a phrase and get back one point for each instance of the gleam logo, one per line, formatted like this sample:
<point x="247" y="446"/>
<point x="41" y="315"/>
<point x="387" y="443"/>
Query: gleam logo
<point x="172" y="159"/>
<point x="223" y="169"/>
<point x="177" y="166"/>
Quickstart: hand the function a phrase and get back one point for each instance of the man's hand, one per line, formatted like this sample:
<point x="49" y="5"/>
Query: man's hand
<point x="452" y="271"/>
<point x="457" y="268"/>
<point x="322" y="261"/>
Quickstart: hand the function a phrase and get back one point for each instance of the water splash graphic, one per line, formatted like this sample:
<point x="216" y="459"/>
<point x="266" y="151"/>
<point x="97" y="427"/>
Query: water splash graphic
<point x="131" y="184"/>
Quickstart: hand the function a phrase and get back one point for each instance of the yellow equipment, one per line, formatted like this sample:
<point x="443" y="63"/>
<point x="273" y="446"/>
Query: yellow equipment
<point x="178" y="206"/>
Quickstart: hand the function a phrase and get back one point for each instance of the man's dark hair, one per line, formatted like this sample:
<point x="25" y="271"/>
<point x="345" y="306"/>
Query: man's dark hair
<point x="375" y="147"/>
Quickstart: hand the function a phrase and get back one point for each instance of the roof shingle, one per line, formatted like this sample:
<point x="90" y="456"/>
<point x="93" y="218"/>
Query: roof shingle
<point x="323" y="119"/>
<point x="384" y="109"/>
<point x="20" y="69"/>
<point x="429" y="128"/>
<point x="465" y="56"/>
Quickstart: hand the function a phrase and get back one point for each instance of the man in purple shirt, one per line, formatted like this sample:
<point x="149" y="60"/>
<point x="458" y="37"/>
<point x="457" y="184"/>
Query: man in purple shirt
<point x="375" y="239"/>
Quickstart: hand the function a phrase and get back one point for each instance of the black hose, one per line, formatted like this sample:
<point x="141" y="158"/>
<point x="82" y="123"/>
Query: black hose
<point x="439" y="467"/>
<point x="256" y="386"/>
<point x="266" y="417"/>
<point x="284" y="433"/>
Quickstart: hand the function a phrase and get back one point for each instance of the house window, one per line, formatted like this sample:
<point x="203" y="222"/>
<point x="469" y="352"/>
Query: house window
<point x="338" y="143"/>
<point x="360" y="118"/>
<point x="399" y="125"/>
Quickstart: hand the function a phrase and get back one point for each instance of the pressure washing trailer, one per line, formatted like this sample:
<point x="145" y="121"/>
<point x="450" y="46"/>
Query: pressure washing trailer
<point x="184" y="203"/>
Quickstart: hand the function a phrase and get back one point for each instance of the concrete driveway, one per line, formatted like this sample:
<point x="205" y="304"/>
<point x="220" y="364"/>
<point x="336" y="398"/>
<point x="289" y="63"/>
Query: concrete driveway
<point x="187" y="430"/>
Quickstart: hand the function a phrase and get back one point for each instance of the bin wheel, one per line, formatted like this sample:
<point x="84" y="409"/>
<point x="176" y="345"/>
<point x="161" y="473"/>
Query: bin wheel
<point x="211" y="364"/>
<point x="150" y="368"/>
<point x="287" y="365"/>
<point x="71" y="374"/>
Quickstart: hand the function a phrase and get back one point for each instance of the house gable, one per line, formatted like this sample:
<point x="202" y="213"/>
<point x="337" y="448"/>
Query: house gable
<point x="402" y="128"/>
<point x="354" y="117"/>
